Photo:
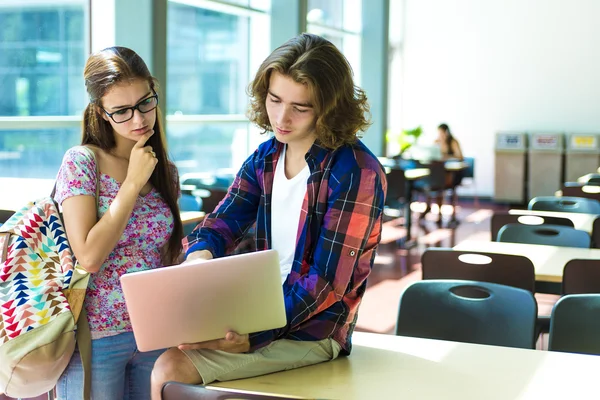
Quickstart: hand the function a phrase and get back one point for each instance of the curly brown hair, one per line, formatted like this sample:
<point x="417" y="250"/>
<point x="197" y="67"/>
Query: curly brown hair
<point x="341" y="107"/>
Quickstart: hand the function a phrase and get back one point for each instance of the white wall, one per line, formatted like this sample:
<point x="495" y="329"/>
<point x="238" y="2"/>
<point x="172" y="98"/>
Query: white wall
<point x="488" y="65"/>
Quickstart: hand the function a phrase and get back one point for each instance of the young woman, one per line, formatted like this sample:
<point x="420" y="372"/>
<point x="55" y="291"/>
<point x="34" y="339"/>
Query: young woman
<point x="133" y="224"/>
<point x="449" y="146"/>
<point x="316" y="194"/>
<point x="450" y="149"/>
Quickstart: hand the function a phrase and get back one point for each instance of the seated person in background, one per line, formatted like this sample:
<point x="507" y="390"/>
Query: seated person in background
<point x="448" y="144"/>
<point x="450" y="149"/>
<point x="316" y="194"/>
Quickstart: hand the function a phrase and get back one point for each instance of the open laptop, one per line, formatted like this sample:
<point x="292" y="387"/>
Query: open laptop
<point x="425" y="152"/>
<point x="203" y="300"/>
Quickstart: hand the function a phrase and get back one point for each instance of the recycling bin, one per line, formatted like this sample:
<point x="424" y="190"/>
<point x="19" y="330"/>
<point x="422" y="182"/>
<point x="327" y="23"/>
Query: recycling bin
<point x="545" y="164"/>
<point x="510" y="167"/>
<point x="582" y="155"/>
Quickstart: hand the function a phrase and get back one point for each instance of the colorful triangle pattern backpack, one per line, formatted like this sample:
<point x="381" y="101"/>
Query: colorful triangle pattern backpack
<point x="42" y="291"/>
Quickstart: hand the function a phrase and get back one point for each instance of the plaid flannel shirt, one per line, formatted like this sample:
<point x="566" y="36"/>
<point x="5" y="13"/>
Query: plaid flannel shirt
<point x="338" y="234"/>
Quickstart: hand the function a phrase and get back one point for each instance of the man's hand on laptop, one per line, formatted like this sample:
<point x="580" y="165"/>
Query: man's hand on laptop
<point x="232" y="343"/>
<point x="199" y="255"/>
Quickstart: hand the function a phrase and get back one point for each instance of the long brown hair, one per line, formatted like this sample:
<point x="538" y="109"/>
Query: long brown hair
<point x="340" y="105"/>
<point x="103" y="70"/>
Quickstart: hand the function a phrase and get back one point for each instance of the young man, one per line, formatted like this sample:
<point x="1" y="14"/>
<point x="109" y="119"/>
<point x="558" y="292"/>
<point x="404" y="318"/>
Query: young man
<point x="316" y="194"/>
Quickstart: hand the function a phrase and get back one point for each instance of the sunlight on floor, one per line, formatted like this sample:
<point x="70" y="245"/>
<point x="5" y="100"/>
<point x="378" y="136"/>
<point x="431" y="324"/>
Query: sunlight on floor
<point x="379" y="307"/>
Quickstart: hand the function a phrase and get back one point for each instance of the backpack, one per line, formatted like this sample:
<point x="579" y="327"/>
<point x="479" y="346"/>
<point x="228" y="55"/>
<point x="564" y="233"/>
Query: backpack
<point x="42" y="291"/>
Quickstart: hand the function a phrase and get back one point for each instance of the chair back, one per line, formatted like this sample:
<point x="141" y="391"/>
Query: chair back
<point x="208" y="180"/>
<point x="574" y="189"/>
<point x="396" y="188"/>
<point x="596" y="233"/>
<point x="469" y="172"/>
<point x="574" y="325"/>
<point x="504" y="269"/>
<point x="552" y="235"/>
<point x="182" y="391"/>
<point x="188" y="202"/>
<point x="437" y="175"/>
<point x="589" y="179"/>
<point x="581" y="276"/>
<point x="468" y="311"/>
<point x="565" y="204"/>
<point x="499" y="219"/>
<point x="211" y="199"/>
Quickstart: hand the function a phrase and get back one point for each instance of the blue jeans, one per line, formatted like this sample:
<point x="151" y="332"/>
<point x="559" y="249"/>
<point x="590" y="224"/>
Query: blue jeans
<point x="119" y="371"/>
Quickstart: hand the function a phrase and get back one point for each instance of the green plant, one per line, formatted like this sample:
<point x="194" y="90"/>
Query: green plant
<point x="406" y="138"/>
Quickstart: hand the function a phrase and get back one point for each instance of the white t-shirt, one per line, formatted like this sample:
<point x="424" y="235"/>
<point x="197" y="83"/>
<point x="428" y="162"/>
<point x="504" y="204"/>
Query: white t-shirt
<point x="286" y="204"/>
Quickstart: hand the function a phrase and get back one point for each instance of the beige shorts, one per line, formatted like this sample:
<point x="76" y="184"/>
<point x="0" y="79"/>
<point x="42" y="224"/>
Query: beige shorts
<point x="279" y="355"/>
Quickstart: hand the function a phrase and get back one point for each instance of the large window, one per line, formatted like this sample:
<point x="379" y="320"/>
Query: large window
<point x="214" y="48"/>
<point x="339" y="21"/>
<point x="43" y="48"/>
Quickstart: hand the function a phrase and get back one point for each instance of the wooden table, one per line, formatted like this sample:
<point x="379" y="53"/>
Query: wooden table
<point x="548" y="261"/>
<point x="192" y="217"/>
<point x="583" y="222"/>
<point x="396" y="367"/>
<point x="456" y="165"/>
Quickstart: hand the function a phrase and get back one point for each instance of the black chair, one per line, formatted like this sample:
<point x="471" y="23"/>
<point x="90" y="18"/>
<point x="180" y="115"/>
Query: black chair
<point x="211" y="198"/>
<point x="596" y="233"/>
<point x="575" y="326"/>
<point x="468" y="311"/>
<point x="503" y="269"/>
<point x="208" y="180"/>
<point x="581" y="276"/>
<point x="589" y="179"/>
<point x="181" y="391"/>
<point x="565" y="204"/>
<point x="396" y="189"/>
<point x="575" y="189"/>
<point x="188" y="202"/>
<point x="210" y="187"/>
<point x="433" y="184"/>
<point x="466" y="177"/>
<point x="499" y="219"/>
<point x="553" y="235"/>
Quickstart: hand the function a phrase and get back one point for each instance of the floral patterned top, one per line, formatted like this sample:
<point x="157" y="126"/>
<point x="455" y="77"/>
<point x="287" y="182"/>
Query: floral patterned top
<point x="138" y="249"/>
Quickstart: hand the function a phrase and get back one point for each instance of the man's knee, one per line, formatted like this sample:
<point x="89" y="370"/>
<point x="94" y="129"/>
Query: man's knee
<point x="174" y="365"/>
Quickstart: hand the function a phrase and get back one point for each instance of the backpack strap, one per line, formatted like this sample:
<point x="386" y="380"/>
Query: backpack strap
<point x="84" y="344"/>
<point x="3" y="245"/>
<point x="84" y="336"/>
<point x="76" y="298"/>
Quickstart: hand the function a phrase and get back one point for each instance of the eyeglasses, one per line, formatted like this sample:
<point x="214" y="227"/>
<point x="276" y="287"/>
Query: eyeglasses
<point x="125" y="114"/>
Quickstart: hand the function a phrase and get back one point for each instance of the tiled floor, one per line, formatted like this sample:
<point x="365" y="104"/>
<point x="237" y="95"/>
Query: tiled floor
<point x="395" y="267"/>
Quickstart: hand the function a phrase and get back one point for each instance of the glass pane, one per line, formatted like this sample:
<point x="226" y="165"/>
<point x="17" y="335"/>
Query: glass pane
<point x="338" y="14"/>
<point x="353" y="15"/>
<point x="351" y="48"/>
<point x="200" y="147"/>
<point x="326" y="12"/>
<point x="207" y="61"/>
<point x="42" y="55"/>
<point x="348" y="43"/>
<point x="35" y="153"/>
<point x="264" y="5"/>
